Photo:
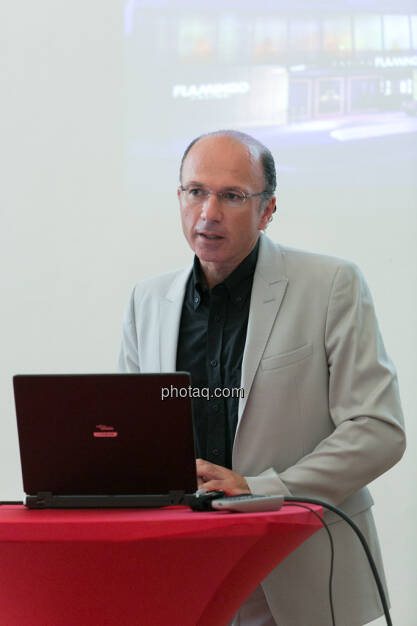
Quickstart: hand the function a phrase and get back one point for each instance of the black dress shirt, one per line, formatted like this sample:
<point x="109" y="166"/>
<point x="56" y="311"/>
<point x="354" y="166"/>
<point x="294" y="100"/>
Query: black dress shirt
<point x="211" y="342"/>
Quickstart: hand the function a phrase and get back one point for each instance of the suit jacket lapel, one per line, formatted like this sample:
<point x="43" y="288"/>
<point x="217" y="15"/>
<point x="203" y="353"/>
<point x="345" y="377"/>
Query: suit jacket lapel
<point x="170" y="316"/>
<point x="269" y="286"/>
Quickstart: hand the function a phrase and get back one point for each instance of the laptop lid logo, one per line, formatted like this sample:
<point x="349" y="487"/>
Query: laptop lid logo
<point x="105" y="431"/>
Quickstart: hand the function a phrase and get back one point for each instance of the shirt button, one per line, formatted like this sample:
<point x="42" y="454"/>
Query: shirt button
<point x="239" y="299"/>
<point x="215" y="408"/>
<point x="213" y="363"/>
<point x="217" y="318"/>
<point x="196" y="299"/>
<point x="215" y="452"/>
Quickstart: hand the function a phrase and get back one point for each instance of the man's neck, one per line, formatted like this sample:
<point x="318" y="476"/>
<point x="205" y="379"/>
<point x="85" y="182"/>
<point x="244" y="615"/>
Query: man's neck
<point x="214" y="273"/>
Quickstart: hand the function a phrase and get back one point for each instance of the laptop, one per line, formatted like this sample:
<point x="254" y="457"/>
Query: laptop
<point x="105" y="440"/>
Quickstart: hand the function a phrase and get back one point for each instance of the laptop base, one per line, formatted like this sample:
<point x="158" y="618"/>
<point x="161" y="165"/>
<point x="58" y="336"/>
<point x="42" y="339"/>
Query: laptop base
<point x="48" y="500"/>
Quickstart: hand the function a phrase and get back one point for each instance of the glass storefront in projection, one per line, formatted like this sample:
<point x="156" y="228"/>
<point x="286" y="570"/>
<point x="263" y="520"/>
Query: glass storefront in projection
<point x="330" y="87"/>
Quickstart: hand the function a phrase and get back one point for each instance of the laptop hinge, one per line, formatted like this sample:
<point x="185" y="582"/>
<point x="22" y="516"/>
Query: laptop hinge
<point x="42" y="500"/>
<point x="177" y="497"/>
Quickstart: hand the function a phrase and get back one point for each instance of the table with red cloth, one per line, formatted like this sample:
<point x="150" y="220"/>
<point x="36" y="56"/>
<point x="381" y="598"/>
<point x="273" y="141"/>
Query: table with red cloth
<point x="138" y="567"/>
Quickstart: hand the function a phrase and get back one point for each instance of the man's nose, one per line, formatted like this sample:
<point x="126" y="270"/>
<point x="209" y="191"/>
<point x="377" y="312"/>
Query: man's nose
<point x="212" y="209"/>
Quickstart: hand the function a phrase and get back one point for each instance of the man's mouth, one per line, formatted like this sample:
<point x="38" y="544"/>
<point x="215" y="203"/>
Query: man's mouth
<point x="210" y="236"/>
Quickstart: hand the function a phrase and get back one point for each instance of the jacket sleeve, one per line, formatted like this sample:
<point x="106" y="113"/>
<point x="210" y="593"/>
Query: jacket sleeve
<point x="364" y="404"/>
<point x="128" y="356"/>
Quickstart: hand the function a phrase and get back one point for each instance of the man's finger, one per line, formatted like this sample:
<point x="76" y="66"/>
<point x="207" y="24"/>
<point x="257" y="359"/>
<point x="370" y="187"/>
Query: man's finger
<point x="210" y="471"/>
<point x="202" y="464"/>
<point x="213" y="485"/>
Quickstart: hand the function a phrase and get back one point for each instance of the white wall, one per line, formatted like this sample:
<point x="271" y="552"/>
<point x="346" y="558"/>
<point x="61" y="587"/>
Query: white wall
<point x="71" y="248"/>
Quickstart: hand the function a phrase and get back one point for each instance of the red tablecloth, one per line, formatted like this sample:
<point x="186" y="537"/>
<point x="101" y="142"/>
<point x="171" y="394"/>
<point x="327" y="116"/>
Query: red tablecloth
<point x="170" y="567"/>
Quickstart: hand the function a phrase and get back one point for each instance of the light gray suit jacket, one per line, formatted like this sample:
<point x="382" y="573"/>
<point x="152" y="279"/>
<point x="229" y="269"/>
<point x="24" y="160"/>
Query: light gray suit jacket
<point x="320" y="416"/>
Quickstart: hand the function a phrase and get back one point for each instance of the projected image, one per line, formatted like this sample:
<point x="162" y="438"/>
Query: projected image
<point x="291" y="73"/>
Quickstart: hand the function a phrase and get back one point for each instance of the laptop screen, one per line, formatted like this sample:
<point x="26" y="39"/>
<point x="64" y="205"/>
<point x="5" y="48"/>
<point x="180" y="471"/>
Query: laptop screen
<point x="105" y="433"/>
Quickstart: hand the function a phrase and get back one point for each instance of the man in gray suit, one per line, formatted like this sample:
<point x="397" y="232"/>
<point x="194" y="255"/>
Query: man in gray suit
<point x="320" y="415"/>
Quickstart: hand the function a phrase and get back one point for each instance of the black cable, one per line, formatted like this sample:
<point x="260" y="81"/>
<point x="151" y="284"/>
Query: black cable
<point x="361" y="538"/>
<point x="326" y="528"/>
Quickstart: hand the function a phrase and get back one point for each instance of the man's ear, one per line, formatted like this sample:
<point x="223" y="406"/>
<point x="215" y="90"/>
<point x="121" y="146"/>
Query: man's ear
<point x="267" y="213"/>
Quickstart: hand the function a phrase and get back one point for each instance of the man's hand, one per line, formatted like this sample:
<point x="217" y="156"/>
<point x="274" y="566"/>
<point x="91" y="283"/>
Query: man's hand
<point x="214" y="477"/>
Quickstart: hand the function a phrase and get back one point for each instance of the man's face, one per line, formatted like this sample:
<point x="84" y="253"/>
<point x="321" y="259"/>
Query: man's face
<point x="219" y="234"/>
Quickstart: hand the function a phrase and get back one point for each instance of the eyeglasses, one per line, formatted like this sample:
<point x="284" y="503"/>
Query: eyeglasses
<point x="229" y="197"/>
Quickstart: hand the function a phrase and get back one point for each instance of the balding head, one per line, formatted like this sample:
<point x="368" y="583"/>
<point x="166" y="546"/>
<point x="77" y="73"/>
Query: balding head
<point x="223" y="202"/>
<point x="258" y="152"/>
